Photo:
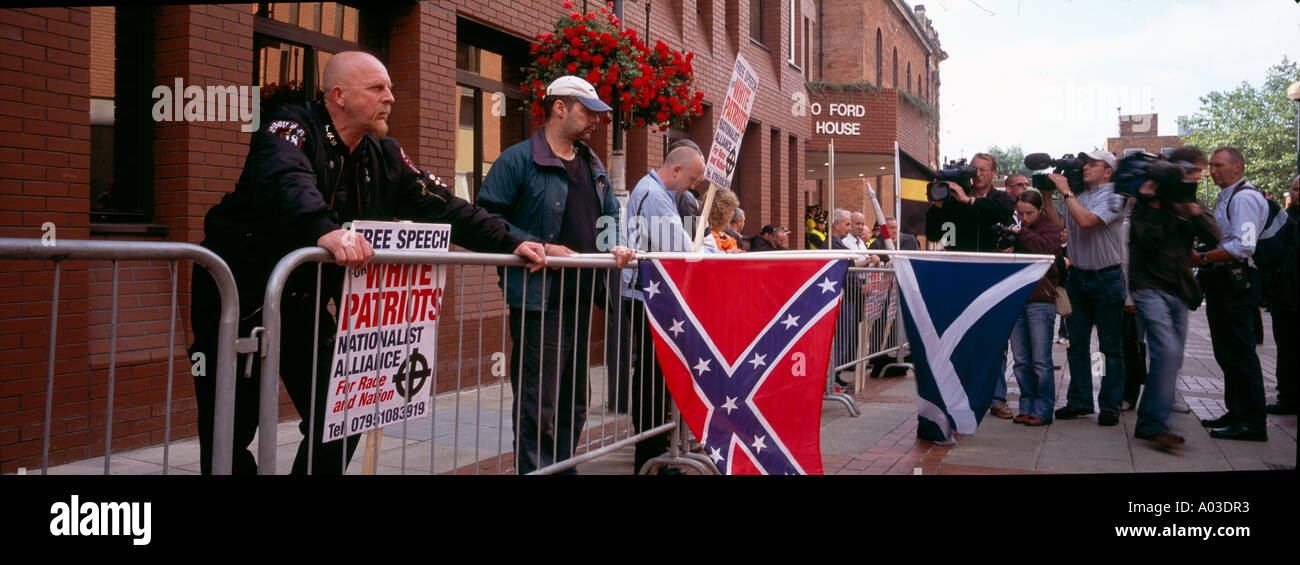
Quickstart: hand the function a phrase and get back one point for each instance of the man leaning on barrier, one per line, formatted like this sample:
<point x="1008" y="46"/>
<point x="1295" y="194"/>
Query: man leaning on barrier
<point x="313" y="168"/>
<point x="553" y="188"/>
<point x="653" y="225"/>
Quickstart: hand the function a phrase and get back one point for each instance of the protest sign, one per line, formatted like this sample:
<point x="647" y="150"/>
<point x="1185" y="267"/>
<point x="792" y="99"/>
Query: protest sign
<point x="722" y="158"/>
<point x="384" y="352"/>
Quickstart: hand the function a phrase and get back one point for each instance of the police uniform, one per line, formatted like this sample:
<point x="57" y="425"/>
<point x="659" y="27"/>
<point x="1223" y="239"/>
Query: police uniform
<point x="300" y="182"/>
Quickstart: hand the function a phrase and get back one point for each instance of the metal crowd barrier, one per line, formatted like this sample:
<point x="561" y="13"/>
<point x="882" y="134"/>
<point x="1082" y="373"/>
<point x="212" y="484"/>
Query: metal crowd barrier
<point x="869" y="328"/>
<point x="116" y="251"/>
<point x="485" y="402"/>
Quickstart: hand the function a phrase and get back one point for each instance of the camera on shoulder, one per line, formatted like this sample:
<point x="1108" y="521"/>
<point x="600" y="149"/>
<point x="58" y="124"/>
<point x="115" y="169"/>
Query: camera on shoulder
<point x="958" y="172"/>
<point x="1069" y="166"/>
<point x="1135" y="170"/>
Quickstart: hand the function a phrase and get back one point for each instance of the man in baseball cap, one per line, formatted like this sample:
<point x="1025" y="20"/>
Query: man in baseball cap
<point x="553" y="189"/>
<point x="1099" y="155"/>
<point x="582" y="90"/>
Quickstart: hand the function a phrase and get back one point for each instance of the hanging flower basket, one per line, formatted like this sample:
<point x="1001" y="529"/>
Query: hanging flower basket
<point x="653" y="86"/>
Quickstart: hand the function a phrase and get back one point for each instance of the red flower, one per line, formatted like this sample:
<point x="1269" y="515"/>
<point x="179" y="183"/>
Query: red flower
<point x="576" y="42"/>
<point x="604" y="91"/>
<point x="566" y="4"/>
<point x="638" y="122"/>
<point x="597" y="60"/>
<point x="572" y="68"/>
<point x="543" y="61"/>
<point x="576" y="16"/>
<point x="593" y="77"/>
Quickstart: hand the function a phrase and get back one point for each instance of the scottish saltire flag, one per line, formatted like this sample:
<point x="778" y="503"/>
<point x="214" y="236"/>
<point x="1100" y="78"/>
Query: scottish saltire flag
<point x="959" y="312"/>
<point x="744" y="347"/>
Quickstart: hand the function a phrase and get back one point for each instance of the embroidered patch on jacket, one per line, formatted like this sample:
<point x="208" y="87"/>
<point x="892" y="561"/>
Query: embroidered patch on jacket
<point x="288" y="130"/>
<point x="408" y="162"/>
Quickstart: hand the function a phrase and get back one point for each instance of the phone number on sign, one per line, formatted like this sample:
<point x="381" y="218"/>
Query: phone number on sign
<point x="385" y="417"/>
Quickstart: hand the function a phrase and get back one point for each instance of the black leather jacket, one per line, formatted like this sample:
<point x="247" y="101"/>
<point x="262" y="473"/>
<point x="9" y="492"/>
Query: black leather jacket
<point x="300" y="182"/>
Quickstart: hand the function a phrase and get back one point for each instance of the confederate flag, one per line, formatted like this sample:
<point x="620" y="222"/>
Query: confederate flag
<point x="744" y="347"/>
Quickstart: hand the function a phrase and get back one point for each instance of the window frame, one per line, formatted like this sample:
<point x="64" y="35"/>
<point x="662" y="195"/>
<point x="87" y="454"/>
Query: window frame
<point x="133" y="83"/>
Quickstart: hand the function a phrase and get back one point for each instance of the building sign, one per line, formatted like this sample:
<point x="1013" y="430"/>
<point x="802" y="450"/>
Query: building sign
<point x="837" y="119"/>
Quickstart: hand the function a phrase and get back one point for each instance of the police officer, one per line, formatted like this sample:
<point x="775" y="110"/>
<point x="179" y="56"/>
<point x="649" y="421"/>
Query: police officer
<point x="313" y="168"/>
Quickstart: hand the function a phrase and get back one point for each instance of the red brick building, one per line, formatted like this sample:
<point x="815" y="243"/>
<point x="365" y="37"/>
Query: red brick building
<point x="86" y="146"/>
<point x="882" y="73"/>
<point x="1139" y="132"/>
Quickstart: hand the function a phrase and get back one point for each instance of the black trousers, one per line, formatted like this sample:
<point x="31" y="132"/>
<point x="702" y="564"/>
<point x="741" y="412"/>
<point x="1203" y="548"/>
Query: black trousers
<point x="1230" y="314"/>
<point x="295" y="370"/>
<point x="1284" y="334"/>
<point x="548" y="378"/>
<point x="650" y="399"/>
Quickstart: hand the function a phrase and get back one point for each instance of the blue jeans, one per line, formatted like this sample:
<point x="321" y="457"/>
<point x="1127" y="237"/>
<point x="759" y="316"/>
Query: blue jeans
<point x="1164" y="317"/>
<point x="1097" y="299"/>
<point x="1000" y="385"/>
<point x="1031" y="346"/>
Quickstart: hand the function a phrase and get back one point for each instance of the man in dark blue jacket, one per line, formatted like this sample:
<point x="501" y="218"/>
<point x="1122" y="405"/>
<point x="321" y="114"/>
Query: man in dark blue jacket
<point x="552" y="188"/>
<point x="313" y="168"/>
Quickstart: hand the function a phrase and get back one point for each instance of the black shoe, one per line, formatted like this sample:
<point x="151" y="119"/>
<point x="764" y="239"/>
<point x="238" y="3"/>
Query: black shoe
<point x="1070" y="412"/>
<point x="1108" y="418"/>
<point x="1240" y="432"/>
<point x="1223" y="421"/>
<point x="1282" y="408"/>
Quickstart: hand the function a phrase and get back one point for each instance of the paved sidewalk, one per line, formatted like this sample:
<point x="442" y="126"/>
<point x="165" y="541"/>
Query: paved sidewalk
<point x="882" y="440"/>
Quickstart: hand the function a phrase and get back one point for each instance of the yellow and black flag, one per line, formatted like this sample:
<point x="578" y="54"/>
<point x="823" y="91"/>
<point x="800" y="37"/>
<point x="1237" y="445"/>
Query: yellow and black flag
<point x="913" y="176"/>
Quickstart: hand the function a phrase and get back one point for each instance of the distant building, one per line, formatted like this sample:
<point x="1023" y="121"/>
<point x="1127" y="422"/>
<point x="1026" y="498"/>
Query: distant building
<point x="1137" y="133"/>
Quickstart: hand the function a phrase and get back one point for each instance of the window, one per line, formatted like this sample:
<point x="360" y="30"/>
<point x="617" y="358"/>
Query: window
<point x="490" y="115"/>
<point x="909" y="77"/>
<point x="292" y="42"/>
<point x="895" y="83"/>
<point x="1132" y="150"/>
<point x="1167" y="150"/>
<point x="756" y="20"/>
<point x="792" y="39"/>
<point x="121" y="100"/>
<point x="807" y="49"/>
<point x="879" y="61"/>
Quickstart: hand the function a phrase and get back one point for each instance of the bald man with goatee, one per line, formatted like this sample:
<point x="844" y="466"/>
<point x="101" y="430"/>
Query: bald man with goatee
<point x="313" y="168"/>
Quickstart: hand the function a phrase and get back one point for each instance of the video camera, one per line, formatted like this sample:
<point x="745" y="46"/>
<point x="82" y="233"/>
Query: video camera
<point x="1070" y="166"/>
<point x="955" y="171"/>
<point x="1133" y="171"/>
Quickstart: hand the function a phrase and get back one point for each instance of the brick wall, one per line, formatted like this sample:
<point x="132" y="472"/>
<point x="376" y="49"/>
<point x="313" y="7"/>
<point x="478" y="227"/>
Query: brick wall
<point x="44" y="150"/>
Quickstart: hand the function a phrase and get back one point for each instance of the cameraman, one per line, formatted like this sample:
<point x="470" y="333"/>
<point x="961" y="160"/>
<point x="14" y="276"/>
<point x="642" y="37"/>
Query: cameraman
<point x="1165" y="221"/>
<point x="1093" y="222"/>
<point x="973" y="214"/>
<point x="973" y="217"/>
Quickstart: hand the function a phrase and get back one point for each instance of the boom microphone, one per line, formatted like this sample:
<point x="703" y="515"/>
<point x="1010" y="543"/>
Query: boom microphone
<point x="1038" y="161"/>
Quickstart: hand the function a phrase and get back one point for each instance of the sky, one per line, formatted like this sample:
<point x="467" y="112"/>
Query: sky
<point x="1048" y="74"/>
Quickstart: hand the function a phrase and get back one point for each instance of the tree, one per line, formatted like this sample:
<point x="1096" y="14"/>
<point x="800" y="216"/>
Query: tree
<point x="1261" y="122"/>
<point x="1010" y="160"/>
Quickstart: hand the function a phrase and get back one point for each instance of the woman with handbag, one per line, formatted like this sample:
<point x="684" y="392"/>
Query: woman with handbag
<point x="1031" y="339"/>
